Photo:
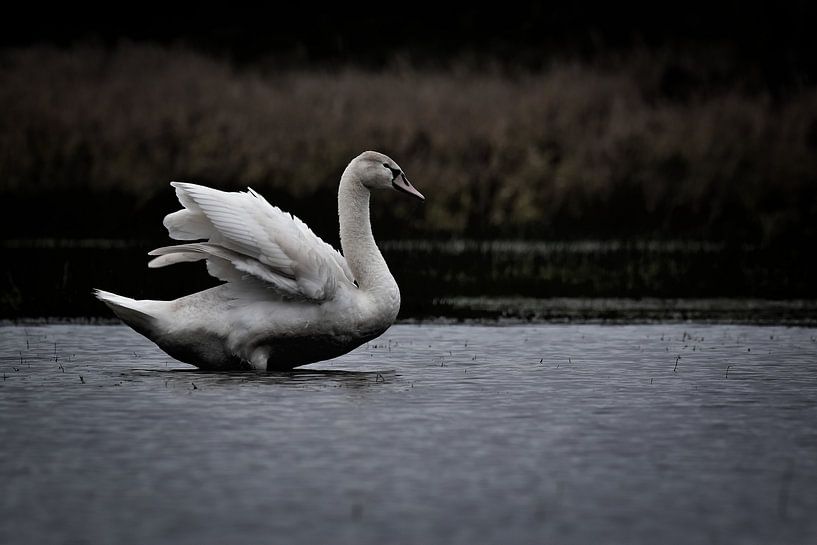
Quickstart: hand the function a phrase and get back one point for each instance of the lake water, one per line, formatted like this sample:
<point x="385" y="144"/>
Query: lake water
<point x="665" y="433"/>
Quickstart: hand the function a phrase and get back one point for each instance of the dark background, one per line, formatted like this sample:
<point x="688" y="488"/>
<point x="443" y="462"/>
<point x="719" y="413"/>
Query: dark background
<point x="636" y="125"/>
<point x="772" y="41"/>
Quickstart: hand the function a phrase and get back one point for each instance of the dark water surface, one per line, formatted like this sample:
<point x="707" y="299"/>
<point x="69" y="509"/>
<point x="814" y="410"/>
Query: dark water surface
<point x="431" y="434"/>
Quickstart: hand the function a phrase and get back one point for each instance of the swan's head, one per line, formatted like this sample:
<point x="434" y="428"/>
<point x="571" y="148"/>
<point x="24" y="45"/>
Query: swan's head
<point x="378" y="171"/>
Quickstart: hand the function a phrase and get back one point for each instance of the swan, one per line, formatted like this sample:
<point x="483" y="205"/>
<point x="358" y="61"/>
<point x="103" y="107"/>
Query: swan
<point x="288" y="298"/>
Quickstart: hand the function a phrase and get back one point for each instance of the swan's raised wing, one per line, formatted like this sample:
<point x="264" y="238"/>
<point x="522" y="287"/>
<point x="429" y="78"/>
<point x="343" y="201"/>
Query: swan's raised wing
<point x="249" y="238"/>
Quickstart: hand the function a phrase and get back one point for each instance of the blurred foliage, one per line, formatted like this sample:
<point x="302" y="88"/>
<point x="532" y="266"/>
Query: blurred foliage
<point x="641" y="144"/>
<point x="437" y="278"/>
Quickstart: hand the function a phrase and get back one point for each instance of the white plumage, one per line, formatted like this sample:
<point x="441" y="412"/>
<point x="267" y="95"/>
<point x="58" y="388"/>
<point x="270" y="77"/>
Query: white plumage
<point x="249" y="236"/>
<point x="289" y="298"/>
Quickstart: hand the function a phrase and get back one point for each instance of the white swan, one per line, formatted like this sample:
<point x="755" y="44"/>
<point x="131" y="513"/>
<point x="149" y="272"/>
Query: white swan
<point x="289" y="298"/>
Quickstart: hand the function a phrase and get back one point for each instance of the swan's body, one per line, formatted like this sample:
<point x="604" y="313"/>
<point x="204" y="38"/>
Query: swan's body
<point x="289" y="298"/>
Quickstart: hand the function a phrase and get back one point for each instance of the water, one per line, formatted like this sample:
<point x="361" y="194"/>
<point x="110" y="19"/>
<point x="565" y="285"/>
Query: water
<point x="430" y="434"/>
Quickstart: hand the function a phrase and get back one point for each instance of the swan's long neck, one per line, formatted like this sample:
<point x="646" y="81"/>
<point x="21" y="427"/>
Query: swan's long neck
<point x="356" y="239"/>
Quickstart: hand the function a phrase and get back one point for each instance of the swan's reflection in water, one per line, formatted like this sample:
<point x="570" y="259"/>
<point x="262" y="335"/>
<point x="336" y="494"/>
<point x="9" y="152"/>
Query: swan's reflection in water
<point x="294" y="378"/>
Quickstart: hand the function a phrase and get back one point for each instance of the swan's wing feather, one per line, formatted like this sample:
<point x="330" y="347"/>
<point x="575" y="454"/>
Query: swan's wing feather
<point x="325" y="248"/>
<point x="247" y="236"/>
<point x="187" y="224"/>
<point x="224" y="264"/>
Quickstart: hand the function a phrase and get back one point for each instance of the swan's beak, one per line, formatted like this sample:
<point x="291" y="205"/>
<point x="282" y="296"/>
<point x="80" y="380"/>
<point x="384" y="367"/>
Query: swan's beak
<point x="401" y="183"/>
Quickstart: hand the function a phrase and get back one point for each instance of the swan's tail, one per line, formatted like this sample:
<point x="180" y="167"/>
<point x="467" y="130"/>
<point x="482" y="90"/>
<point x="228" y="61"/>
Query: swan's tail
<point x="134" y="313"/>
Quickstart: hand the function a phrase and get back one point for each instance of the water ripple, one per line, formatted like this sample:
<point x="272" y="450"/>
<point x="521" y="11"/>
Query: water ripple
<point x="433" y="433"/>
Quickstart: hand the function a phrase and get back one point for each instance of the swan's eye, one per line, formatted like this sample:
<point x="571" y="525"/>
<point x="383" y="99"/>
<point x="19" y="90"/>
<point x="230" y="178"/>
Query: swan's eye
<point x="395" y="172"/>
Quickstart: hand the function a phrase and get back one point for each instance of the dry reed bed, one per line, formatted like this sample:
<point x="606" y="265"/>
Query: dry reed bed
<point x="575" y="150"/>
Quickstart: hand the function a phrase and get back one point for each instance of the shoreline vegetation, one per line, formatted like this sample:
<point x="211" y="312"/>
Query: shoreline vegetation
<point x="591" y="280"/>
<point x="640" y="145"/>
<point x="642" y="175"/>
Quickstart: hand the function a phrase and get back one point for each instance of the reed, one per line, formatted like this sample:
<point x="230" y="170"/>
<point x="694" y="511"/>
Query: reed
<point x="92" y="136"/>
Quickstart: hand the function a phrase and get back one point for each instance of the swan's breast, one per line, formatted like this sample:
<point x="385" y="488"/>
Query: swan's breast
<point x="365" y="313"/>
